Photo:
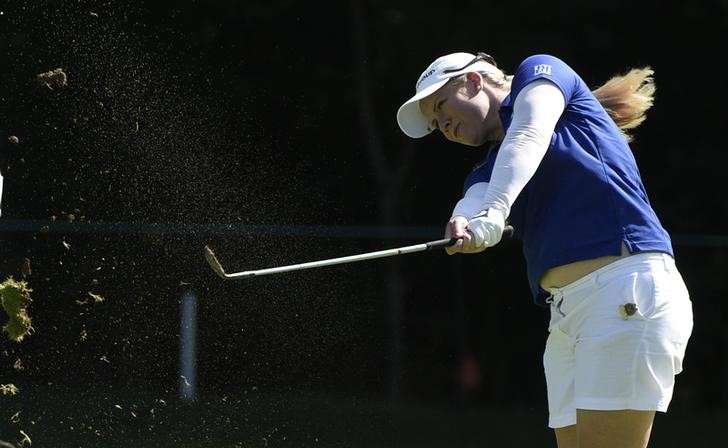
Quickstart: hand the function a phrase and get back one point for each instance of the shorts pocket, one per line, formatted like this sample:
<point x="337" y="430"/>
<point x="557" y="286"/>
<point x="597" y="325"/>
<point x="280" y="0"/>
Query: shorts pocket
<point x="639" y="296"/>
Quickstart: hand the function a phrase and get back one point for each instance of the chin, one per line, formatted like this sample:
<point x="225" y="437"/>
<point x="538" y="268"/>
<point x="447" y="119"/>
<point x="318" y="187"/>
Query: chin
<point x="470" y="140"/>
<point x="471" y="144"/>
<point x="477" y="141"/>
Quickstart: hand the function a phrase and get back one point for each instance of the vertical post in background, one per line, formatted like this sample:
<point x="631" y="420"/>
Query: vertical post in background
<point x="188" y="347"/>
<point x="395" y="292"/>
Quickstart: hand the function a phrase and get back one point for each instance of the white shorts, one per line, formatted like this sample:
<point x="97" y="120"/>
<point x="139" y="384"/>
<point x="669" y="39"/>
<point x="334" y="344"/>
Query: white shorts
<point x="598" y="357"/>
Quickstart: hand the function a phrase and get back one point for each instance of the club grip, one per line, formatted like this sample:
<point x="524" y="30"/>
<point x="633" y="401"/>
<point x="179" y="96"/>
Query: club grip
<point x="507" y="233"/>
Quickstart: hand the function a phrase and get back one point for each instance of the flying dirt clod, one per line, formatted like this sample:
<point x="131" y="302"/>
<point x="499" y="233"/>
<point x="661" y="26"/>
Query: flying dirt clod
<point x="15" y="298"/>
<point x="52" y="80"/>
<point x="8" y="389"/>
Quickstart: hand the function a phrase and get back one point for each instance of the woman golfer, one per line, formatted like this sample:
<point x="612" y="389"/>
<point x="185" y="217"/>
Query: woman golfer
<point x="560" y="170"/>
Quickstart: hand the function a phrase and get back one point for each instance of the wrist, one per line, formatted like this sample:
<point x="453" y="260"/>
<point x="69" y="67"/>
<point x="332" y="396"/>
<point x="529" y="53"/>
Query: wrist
<point x="491" y="214"/>
<point x="487" y="227"/>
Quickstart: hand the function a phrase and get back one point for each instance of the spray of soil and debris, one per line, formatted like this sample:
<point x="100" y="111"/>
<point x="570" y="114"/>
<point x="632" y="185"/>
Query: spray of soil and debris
<point x="126" y="132"/>
<point x="15" y="299"/>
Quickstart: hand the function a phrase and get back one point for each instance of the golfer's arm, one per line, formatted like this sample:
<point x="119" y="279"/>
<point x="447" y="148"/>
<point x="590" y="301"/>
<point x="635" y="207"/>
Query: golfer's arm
<point x="536" y="111"/>
<point x="472" y="201"/>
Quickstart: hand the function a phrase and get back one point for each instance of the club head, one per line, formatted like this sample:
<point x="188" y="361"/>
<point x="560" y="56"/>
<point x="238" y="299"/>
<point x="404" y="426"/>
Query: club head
<point x="214" y="263"/>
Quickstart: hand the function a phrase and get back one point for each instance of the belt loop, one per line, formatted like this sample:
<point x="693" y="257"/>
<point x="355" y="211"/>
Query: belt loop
<point x="555" y="295"/>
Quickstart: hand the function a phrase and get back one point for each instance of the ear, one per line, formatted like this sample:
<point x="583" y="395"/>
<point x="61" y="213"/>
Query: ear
<point x="474" y="82"/>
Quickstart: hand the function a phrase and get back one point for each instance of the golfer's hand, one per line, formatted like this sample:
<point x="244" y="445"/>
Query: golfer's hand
<point x="456" y="228"/>
<point x="486" y="228"/>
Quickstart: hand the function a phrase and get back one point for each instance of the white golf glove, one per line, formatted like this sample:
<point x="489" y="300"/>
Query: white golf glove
<point x="487" y="228"/>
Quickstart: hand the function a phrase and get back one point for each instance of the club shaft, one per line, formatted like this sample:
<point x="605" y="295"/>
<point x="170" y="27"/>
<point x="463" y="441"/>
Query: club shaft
<point x="349" y="259"/>
<point x="446" y="242"/>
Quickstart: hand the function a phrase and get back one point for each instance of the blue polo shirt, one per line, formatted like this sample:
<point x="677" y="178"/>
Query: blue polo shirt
<point x="586" y="197"/>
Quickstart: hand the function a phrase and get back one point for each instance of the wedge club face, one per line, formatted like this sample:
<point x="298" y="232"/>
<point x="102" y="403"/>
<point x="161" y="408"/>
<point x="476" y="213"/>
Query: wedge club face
<point x="214" y="263"/>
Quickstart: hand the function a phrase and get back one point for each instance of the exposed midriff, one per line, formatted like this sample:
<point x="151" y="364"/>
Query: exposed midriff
<point x="561" y="276"/>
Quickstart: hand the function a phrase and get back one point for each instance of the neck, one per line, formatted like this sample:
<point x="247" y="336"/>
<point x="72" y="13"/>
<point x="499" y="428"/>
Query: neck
<point x="501" y="94"/>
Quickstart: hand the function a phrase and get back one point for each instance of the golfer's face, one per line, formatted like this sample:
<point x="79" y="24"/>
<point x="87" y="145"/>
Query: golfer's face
<point x="460" y="112"/>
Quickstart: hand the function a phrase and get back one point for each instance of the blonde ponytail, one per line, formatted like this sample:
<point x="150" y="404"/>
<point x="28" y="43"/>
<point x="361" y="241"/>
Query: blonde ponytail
<point x="626" y="98"/>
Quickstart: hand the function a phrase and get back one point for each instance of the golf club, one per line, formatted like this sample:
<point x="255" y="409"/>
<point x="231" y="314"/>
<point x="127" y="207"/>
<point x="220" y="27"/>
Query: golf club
<point x="446" y="242"/>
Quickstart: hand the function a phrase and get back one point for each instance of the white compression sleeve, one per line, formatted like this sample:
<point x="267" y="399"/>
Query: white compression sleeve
<point x="536" y="111"/>
<point x="472" y="202"/>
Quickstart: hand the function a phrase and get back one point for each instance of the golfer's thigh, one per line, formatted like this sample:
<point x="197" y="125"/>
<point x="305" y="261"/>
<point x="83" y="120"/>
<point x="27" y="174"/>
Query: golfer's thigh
<point x="609" y="429"/>
<point x="566" y="437"/>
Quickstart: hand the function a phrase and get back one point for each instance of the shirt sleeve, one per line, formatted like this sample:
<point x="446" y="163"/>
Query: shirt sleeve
<point x="535" y="114"/>
<point x="544" y="66"/>
<point x="481" y="171"/>
<point x="475" y="186"/>
<point x="472" y="202"/>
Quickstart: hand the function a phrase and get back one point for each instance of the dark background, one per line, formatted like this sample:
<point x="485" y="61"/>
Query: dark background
<point x="267" y="130"/>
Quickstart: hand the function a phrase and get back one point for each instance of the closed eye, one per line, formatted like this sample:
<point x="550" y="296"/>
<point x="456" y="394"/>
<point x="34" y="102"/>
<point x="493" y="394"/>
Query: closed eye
<point x="436" y="106"/>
